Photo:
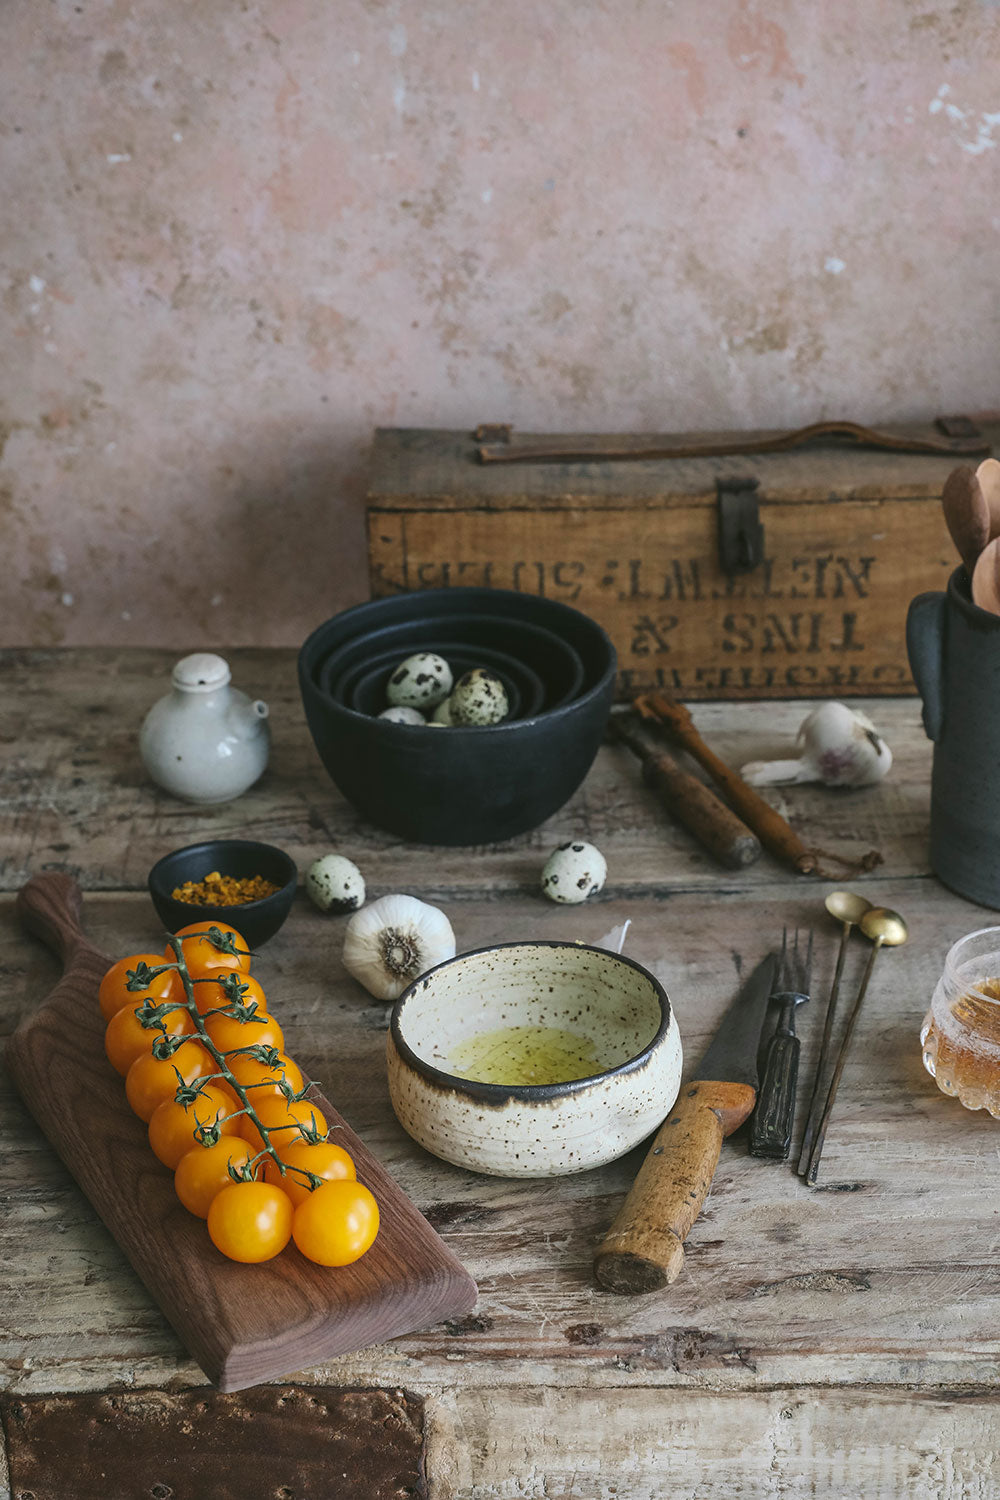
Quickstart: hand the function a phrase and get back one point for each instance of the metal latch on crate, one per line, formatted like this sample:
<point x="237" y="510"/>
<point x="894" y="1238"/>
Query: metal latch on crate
<point x="741" y="532"/>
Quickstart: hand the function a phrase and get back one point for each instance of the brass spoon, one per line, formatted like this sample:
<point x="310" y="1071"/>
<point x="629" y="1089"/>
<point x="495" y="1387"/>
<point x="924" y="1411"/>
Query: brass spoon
<point x="848" y="909"/>
<point x="885" y="928"/>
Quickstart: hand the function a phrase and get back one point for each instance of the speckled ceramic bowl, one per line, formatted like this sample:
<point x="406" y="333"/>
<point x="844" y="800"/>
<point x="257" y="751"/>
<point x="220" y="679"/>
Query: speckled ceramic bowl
<point x="464" y="1017"/>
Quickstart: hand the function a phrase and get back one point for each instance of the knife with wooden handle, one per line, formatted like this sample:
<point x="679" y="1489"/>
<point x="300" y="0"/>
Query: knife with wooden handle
<point x="644" y="1248"/>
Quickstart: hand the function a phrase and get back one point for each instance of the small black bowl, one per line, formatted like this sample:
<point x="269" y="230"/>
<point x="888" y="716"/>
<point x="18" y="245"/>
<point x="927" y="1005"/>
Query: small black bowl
<point x="255" y="920"/>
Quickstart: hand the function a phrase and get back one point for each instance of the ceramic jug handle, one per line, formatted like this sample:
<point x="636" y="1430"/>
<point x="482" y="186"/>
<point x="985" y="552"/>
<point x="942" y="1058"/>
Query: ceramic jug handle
<point x="925" y="648"/>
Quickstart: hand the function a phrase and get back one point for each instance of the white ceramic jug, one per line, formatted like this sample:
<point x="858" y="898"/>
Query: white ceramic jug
<point x="205" y="741"/>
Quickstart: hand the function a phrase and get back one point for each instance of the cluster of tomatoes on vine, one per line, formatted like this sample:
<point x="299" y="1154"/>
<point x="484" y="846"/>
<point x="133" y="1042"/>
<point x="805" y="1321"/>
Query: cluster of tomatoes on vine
<point x="226" y="1107"/>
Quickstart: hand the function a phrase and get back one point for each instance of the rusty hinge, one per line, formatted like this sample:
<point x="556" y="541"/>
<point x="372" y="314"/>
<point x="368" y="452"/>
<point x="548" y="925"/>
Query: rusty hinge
<point x="741" y="533"/>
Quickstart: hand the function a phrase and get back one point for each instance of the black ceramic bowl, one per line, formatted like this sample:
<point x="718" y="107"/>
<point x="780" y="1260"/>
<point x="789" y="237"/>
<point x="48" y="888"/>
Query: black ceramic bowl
<point x="255" y="920"/>
<point x="460" y="786"/>
<point x="540" y="650"/>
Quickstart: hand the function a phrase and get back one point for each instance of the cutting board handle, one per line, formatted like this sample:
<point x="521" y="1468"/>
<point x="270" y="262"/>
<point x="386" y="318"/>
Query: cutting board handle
<point x="50" y="907"/>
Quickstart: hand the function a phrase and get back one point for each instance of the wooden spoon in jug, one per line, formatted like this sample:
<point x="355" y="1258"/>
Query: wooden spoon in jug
<point x="986" y="578"/>
<point x="967" y="514"/>
<point x="988" y="475"/>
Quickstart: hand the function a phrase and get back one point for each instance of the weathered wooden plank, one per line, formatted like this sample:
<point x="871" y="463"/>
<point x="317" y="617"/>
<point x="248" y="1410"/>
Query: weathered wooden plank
<point x="890" y="1273"/>
<point x="415" y="468"/>
<point x="74" y="796"/>
<point x="546" y="1444"/>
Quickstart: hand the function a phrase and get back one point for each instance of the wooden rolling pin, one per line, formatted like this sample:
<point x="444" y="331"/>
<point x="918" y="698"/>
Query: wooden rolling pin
<point x="690" y="801"/>
<point x="774" y="832"/>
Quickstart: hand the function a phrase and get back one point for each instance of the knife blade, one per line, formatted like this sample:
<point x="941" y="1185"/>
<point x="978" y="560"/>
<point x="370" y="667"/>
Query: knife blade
<point x="643" y="1250"/>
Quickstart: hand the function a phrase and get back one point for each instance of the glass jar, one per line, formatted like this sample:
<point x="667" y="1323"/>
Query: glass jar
<point x="961" y="1033"/>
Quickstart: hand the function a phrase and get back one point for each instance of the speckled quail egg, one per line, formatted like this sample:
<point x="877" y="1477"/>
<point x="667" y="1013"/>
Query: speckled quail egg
<point x="336" y="884"/>
<point x="573" y="872"/>
<point x="478" y="698"/>
<point x="421" y="681"/>
<point x="442" y="714"/>
<point x="401" y="714"/>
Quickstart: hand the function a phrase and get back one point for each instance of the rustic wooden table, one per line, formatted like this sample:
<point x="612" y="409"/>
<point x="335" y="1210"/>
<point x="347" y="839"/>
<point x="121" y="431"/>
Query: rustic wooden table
<point x="835" y="1342"/>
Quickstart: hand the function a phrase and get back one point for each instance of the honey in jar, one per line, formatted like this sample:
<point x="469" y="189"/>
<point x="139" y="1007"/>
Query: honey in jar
<point x="961" y="1032"/>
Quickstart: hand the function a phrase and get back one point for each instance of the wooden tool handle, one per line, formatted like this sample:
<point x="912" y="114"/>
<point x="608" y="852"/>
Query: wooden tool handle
<point x="644" y="1248"/>
<point x="50" y="907"/>
<point x="771" y="1128"/>
<point x="771" y="828"/>
<point x="691" y="802"/>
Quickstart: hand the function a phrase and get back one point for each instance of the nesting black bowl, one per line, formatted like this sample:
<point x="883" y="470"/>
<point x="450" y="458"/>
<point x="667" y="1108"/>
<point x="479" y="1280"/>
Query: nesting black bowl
<point x="458" y="785"/>
<point x="543" y="651"/>
<point x="346" y="686"/>
<point x="254" y="920"/>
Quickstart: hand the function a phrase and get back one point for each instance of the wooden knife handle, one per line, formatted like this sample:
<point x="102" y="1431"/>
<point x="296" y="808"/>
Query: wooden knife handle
<point x="50" y="907"/>
<point x="644" y="1248"/>
<point x="771" y="1128"/>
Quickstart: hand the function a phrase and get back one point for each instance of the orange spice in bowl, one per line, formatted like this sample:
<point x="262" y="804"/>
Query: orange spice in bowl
<point x="224" y="890"/>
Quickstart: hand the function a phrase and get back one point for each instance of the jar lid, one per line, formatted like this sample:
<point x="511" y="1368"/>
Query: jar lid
<point x="202" y="672"/>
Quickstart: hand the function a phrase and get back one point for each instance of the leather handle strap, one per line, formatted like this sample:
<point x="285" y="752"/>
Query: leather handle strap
<point x="506" y="451"/>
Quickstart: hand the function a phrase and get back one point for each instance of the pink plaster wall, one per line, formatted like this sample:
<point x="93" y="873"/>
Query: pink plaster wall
<point x="238" y="236"/>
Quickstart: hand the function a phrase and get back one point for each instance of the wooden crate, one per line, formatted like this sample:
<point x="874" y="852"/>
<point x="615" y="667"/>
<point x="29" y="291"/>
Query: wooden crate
<point x="849" y="536"/>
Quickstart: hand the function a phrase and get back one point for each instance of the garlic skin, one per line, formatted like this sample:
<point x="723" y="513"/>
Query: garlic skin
<point x="390" y="943"/>
<point x="840" y="747"/>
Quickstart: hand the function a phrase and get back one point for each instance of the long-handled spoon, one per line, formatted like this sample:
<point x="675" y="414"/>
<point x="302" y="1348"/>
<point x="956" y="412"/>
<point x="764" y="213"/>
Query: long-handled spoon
<point x="885" y="928"/>
<point x="848" y="909"/>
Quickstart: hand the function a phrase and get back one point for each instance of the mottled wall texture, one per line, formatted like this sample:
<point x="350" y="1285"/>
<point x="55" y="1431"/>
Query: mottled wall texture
<point x="236" y="237"/>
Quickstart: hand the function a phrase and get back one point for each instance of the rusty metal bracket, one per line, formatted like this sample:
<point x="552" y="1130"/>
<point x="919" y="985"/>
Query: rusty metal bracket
<point x="741" y="533"/>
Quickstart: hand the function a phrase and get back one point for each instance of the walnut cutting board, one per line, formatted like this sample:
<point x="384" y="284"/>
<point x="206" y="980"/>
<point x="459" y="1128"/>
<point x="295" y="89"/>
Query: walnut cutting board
<point x="243" y="1324"/>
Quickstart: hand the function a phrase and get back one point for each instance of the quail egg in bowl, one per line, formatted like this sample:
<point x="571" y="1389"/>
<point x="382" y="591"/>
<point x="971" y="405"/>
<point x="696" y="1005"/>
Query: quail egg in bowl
<point x="533" y="1059"/>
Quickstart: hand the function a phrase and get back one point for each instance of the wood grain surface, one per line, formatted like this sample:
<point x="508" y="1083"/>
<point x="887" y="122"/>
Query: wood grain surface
<point x="243" y="1324"/>
<point x="833" y="1342"/>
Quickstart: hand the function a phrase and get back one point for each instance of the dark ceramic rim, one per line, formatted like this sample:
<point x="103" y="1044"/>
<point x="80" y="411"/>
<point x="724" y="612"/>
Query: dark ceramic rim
<point x="510" y="687"/>
<point x="510" y="726"/>
<point x="497" y="1093"/>
<point x="156" y="883"/>
<point x="526" y="681"/>
<point x="572" y="662"/>
<point x="960" y="590"/>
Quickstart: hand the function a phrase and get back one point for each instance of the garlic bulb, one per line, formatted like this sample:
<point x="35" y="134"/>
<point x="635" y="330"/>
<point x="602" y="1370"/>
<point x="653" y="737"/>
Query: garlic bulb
<point x="840" y="747"/>
<point x="393" y="941"/>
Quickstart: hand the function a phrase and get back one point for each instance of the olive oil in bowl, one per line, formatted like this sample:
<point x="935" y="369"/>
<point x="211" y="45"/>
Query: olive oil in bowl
<point x="526" y="1055"/>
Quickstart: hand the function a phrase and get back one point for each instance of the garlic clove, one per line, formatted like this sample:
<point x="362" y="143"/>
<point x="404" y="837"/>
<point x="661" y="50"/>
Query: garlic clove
<point x="778" y="772"/>
<point x="391" y="942"/>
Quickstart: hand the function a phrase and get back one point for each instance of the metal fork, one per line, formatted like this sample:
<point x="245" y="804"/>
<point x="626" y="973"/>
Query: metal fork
<point x="771" y="1127"/>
